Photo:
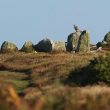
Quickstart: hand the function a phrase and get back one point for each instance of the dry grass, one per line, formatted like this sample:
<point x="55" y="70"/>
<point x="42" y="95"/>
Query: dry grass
<point x="44" y="68"/>
<point x="38" y="77"/>
<point x="59" y="97"/>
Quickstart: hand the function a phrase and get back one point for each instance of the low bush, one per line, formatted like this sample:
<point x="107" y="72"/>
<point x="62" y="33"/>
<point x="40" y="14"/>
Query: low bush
<point x="97" y="71"/>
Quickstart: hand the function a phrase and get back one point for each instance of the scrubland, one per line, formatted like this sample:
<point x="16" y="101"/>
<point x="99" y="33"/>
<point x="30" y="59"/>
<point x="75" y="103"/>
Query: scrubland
<point x="41" y="81"/>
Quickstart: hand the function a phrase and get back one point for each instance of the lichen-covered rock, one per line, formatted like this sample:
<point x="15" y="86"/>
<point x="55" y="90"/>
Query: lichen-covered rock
<point x="72" y="41"/>
<point x="8" y="47"/>
<point x="44" y="45"/>
<point x="107" y="38"/>
<point x="84" y="42"/>
<point x="58" y="46"/>
<point x="28" y="47"/>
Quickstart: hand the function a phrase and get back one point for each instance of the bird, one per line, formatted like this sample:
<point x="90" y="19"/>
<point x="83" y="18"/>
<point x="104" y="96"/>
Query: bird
<point x="76" y="28"/>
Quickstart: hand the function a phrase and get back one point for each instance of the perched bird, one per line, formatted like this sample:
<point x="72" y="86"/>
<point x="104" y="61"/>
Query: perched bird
<point x="76" y="28"/>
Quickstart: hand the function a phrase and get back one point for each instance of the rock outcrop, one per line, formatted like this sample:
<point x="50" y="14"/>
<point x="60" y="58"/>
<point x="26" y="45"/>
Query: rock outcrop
<point x="8" y="47"/>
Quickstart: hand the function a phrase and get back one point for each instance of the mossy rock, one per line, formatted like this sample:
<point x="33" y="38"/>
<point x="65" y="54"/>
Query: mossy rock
<point x="8" y="47"/>
<point x="84" y="42"/>
<point x="28" y="47"/>
<point x="72" y="41"/>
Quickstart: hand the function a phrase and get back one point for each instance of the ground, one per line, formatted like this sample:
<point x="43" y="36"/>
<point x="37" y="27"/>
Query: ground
<point x="39" y="81"/>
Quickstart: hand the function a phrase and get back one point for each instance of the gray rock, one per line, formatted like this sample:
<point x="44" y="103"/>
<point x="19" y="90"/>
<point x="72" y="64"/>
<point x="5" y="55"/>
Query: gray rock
<point x="8" y="47"/>
<point x="107" y="38"/>
<point x="44" y="45"/>
<point x="72" y="41"/>
<point x="84" y="42"/>
<point x="78" y="41"/>
<point x="58" y="46"/>
<point x="28" y="47"/>
<point x="99" y="44"/>
<point x="104" y="42"/>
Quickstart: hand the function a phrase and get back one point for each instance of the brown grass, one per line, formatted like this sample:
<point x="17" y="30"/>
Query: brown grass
<point x="37" y="77"/>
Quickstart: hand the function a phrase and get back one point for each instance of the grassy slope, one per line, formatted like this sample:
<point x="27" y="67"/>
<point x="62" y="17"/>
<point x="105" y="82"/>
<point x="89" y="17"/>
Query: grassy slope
<point x="41" y="68"/>
<point x="40" y="77"/>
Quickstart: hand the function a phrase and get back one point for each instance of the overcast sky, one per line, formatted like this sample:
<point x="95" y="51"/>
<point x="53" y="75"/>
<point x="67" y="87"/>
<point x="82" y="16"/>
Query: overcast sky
<point x="23" y="20"/>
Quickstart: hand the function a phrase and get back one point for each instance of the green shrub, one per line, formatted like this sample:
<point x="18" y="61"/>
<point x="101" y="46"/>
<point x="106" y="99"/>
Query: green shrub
<point x="101" y="66"/>
<point x="97" y="71"/>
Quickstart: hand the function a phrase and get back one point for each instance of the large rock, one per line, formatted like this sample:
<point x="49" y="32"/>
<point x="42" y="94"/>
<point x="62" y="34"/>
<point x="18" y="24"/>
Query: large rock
<point x="105" y="44"/>
<point x="44" y="45"/>
<point x="99" y="44"/>
<point x="28" y="47"/>
<point x="84" y="42"/>
<point x="72" y="41"/>
<point x="8" y="47"/>
<point x="107" y="38"/>
<point x="58" y="46"/>
<point x="78" y="41"/>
